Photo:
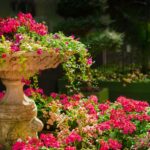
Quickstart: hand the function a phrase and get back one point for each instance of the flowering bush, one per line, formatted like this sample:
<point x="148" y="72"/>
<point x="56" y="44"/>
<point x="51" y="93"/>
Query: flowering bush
<point x="23" y="34"/>
<point x="115" y="73"/>
<point x="79" y="123"/>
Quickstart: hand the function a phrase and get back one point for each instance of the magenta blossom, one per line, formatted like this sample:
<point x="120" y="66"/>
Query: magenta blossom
<point x="29" y="91"/>
<point x="103" y="107"/>
<point x="72" y="36"/>
<point x="15" y="47"/>
<point x="2" y="95"/>
<point x="19" y="146"/>
<point x="73" y="137"/>
<point x="114" y="144"/>
<point x="49" y="140"/>
<point x="104" y="126"/>
<point x="94" y="99"/>
<point x="39" y="51"/>
<point x="53" y="95"/>
<point x="25" y="81"/>
<point x="89" y="61"/>
<point x="4" y="55"/>
<point x="18" y="38"/>
<point x="104" y="145"/>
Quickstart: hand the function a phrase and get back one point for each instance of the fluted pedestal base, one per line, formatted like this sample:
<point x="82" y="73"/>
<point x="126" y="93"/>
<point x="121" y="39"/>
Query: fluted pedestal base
<point x="17" y="115"/>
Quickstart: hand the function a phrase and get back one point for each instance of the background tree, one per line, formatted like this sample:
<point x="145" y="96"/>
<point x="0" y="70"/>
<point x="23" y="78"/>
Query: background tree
<point x="89" y="19"/>
<point x="133" y="18"/>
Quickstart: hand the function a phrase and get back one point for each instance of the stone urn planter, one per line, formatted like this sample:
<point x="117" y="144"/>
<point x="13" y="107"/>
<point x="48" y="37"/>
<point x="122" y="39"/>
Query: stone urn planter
<point x="18" y="113"/>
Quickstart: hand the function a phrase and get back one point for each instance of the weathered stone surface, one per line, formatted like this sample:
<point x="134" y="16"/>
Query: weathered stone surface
<point x="18" y="113"/>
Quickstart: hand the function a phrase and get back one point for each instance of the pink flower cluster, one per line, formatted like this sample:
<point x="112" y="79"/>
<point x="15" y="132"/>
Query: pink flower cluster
<point x="68" y="101"/>
<point x="111" y="144"/>
<point x="32" y="91"/>
<point x="103" y="107"/>
<point x="73" y="137"/>
<point x="120" y="120"/>
<point x="130" y="105"/>
<point x="89" y="61"/>
<point x="47" y="140"/>
<point x="104" y="126"/>
<point x="15" y="45"/>
<point x="11" y="25"/>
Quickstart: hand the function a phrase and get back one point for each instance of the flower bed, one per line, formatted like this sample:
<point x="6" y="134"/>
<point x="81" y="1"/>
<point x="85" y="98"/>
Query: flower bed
<point x="79" y="123"/>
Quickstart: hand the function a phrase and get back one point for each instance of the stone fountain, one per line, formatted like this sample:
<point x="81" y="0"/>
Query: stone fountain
<point x="18" y="113"/>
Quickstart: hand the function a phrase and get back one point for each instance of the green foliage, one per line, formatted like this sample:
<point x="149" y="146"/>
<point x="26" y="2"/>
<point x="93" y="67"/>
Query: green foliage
<point x="83" y="16"/>
<point x="78" y="72"/>
<point x="133" y="19"/>
<point x="115" y="73"/>
<point x="104" y="40"/>
<point x="78" y="26"/>
<point x="76" y="68"/>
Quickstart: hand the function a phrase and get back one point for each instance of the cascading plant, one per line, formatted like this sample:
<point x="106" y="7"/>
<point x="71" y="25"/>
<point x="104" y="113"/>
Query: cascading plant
<point x="23" y="34"/>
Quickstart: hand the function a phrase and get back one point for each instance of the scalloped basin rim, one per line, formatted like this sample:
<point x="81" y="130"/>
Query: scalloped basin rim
<point x="33" y="60"/>
<point x="12" y="69"/>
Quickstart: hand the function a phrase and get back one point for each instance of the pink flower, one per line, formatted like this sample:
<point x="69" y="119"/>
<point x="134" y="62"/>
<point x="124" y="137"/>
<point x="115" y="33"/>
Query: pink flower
<point x="27" y="21"/>
<point x="73" y="137"/>
<point x="19" y="146"/>
<point x="76" y="97"/>
<point x="89" y="61"/>
<point x="93" y="98"/>
<point x="103" y="107"/>
<point x="64" y="100"/>
<point x="35" y="142"/>
<point x="91" y="109"/>
<point x="114" y="144"/>
<point x="15" y="47"/>
<point x="29" y="91"/>
<point x="39" y="90"/>
<point x="18" y="38"/>
<point x="53" y="95"/>
<point x="2" y="95"/>
<point x="63" y="96"/>
<point x="104" y="126"/>
<point x="120" y="120"/>
<point x="104" y="145"/>
<point x="39" y="51"/>
<point x="49" y="140"/>
<point x="9" y="25"/>
<point x="70" y="148"/>
<point x="72" y="36"/>
<point x="25" y="81"/>
<point x="130" y="105"/>
<point x="4" y="55"/>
